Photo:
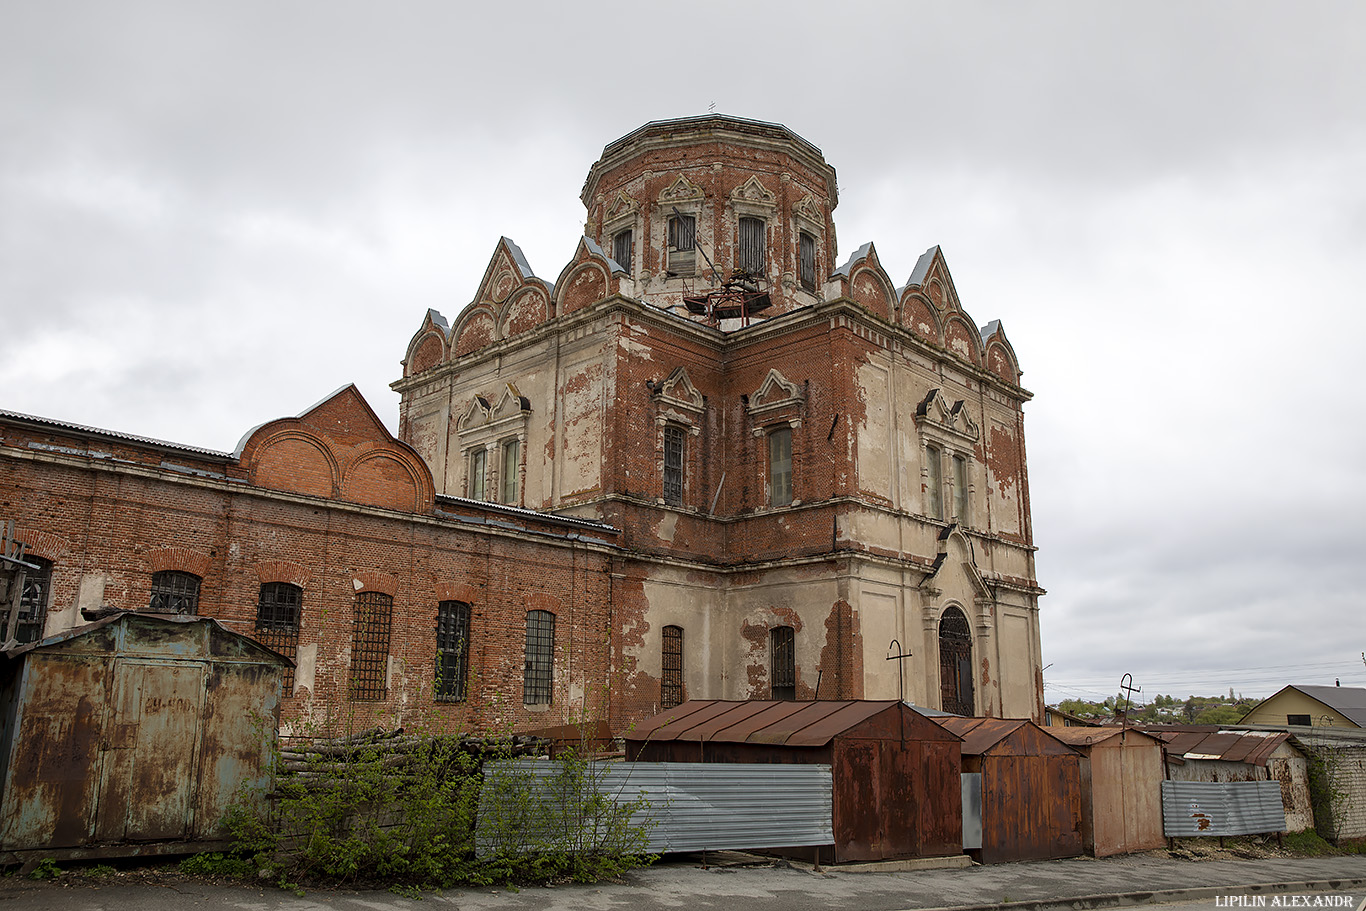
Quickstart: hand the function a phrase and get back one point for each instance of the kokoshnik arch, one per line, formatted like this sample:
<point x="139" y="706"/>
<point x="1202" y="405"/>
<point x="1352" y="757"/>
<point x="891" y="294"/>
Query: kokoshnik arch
<point x="705" y="462"/>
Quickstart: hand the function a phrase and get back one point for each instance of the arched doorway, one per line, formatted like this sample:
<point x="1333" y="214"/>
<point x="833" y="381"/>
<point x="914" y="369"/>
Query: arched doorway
<point x="955" y="663"/>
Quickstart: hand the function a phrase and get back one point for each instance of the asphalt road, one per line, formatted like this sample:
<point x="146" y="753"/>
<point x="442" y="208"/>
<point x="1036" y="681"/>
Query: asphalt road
<point x="1074" y="883"/>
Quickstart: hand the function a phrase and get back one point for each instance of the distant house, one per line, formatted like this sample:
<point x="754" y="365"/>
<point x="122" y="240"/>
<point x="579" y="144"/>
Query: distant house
<point x="1319" y="706"/>
<point x="1057" y="718"/>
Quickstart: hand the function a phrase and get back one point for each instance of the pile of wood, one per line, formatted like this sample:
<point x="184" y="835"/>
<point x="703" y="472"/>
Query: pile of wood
<point x="328" y="761"/>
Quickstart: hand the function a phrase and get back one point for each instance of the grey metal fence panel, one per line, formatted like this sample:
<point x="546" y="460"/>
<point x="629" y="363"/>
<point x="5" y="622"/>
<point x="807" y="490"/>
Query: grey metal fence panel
<point x="688" y="806"/>
<point x="972" y="810"/>
<point x="1221" y="808"/>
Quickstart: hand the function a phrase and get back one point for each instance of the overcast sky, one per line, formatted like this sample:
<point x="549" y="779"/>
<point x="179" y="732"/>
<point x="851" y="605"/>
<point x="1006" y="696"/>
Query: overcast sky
<point x="214" y="214"/>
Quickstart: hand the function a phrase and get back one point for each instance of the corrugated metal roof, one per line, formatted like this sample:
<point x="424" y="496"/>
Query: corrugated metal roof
<point x="981" y="734"/>
<point x="98" y="433"/>
<point x="1252" y="747"/>
<point x="799" y="724"/>
<point x="1088" y="736"/>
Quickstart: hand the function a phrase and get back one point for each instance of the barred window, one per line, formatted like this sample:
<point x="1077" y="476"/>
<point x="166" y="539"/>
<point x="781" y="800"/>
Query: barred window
<point x="623" y="246"/>
<point x="671" y="663"/>
<point x="682" y="243"/>
<point x="750" y="254"/>
<point x="783" y="657"/>
<point x="452" y="650"/>
<point x="780" y="467"/>
<point x="33" y="601"/>
<point x="370" y="645"/>
<point x="673" y="465"/>
<point x="540" y="657"/>
<point x="174" y="592"/>
<point x="512" y="462"/>
<point x="478" y="471"/>
<point x="806" y="260"/>
<point x="277" y="622"/>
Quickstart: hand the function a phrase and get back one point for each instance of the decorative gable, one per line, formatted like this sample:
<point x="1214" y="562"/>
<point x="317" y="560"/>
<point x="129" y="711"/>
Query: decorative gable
<point x="777" y="399"/>
<point x="810" y="210"/>
<point x="754" y="192"/>
<point x="681" y="190"/>
<point x="678" y="392"/>
<point x="950" y="419"/>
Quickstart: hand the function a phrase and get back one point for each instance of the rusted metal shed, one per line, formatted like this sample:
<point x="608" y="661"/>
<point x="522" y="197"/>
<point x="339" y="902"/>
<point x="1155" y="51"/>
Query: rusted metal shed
<point x="895" y="773"/>
<point x="1215" y="754"/>
<point x="1121" y="788"/>
<point x="1030" y="789"/>
<point x="131" y="735"/>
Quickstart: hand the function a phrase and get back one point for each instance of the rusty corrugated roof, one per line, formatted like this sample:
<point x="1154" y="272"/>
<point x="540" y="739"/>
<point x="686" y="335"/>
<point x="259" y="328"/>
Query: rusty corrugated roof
<point x="1252" y="747"/>
<point x="1088" y="736"/>
<point x="981" y="734"/>
<point x="777" y="723"/>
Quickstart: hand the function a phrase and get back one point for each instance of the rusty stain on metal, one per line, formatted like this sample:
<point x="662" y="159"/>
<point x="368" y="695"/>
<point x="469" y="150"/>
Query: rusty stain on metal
<point x="1031" y="789"/>
<point x="895" y="794"/>
<point x="133" y="730"/>
<point x="1121" y="796"/>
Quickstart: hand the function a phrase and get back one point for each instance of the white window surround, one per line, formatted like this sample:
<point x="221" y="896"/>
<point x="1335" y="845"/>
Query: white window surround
<point x="948" y="429"/>
<point x="807" y="219"/>
<point x="677" y="403"/>
<point x="689" y="199"/>
<point x="779" y="402"/>
<point x="621" y="215"/>
<point x="753" y="200"/>
<point x="490" y="427"/>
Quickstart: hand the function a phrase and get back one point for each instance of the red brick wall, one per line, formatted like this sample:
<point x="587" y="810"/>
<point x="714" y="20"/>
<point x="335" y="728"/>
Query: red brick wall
<point x="123" y="521"/>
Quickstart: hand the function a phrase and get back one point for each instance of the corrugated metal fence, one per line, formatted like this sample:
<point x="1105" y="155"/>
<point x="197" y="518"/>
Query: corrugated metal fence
<point x="1221" y="808"/>
<point x="684" y="806"/>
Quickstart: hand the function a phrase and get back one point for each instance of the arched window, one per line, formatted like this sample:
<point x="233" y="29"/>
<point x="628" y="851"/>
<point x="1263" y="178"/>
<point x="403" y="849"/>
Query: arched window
<point x="452" y="650"/>
<point x="955" y="663"/>
<point x="33" y="601"/>
<point x="540" y="658"/>
<point x="277" y="622"/>
<point x="370" y="645"/>
<point x="174" y="592"/>
<point x="671" y="667"/>
<point x="783" y="662"/>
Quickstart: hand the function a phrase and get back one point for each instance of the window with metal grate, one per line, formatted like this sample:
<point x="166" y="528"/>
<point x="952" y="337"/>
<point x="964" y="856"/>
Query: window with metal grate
<point x="671" y="664"/>
<point x="370" y="645"/>
<point x="174" y="592"/>
<point x="783" y="660"/>
<point x="452" y="650"/>
<point x="673" y="465"/>
<point x="540" y="658"/>
<point x="278" y="614"/>
<point x="33" y="601"/>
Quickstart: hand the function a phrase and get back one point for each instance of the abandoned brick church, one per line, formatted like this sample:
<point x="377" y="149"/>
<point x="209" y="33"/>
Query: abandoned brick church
<point x="706" y="461"/>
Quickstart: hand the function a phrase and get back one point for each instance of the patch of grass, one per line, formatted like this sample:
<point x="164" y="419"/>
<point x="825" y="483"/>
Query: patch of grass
<point x="1308" y="843"/>
<point x="217" y="864"/>
<point x="47" y="869"/>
